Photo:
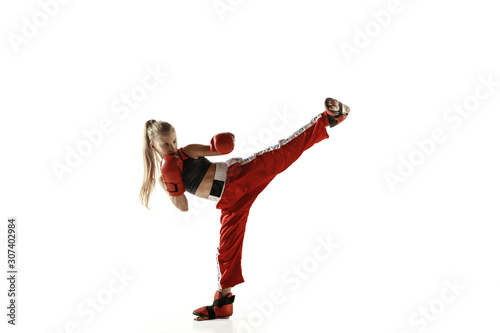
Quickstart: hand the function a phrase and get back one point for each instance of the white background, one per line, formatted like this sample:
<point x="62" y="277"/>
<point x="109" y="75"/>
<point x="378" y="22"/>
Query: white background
<point x="234" y="71"/>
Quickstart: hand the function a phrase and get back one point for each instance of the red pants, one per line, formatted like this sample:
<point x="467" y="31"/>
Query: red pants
<point x="246" y="178"/>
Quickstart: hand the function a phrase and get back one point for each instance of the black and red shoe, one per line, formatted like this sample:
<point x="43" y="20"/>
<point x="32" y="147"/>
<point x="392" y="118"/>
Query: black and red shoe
<point x="222" y="307"/>
<point x="335" y="111"/>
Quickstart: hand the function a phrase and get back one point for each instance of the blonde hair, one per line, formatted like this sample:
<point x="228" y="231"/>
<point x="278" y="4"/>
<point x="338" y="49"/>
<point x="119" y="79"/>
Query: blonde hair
<point x="152" y="129"/>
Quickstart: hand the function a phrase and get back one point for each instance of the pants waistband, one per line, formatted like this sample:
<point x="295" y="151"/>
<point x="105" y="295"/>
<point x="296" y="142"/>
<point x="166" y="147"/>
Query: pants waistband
<point x="219" y="181"/>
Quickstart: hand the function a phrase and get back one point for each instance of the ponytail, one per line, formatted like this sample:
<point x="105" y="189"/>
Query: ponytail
<point x="151" y="158"/>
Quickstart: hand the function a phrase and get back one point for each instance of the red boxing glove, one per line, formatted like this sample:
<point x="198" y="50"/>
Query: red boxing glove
<point x="171" y="169"/>
<point x="222" y="143"/>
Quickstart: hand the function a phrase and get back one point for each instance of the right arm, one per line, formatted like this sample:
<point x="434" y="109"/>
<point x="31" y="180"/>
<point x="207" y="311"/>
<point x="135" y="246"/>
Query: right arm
<point x="179" y="201"/>
<point x="221" y="144"/>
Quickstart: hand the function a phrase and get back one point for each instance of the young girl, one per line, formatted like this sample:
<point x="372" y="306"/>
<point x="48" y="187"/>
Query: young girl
<point x="234" y="185"/>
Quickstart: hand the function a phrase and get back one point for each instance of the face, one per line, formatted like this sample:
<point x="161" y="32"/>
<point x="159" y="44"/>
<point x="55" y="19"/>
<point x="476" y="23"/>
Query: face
<point x="166" y="144"/>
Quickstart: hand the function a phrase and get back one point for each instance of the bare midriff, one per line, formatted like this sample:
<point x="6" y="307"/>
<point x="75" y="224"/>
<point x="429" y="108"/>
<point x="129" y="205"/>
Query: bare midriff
<point x="203" y="190"/>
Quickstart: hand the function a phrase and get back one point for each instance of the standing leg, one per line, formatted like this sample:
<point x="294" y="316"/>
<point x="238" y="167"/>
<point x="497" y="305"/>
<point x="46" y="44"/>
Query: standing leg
<point x="229" y="254"/>
<point x="232" y="233"/>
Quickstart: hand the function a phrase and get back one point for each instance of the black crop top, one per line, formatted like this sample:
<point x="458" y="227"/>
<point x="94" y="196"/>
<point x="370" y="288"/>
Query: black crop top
<point x="193" y="171"/>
